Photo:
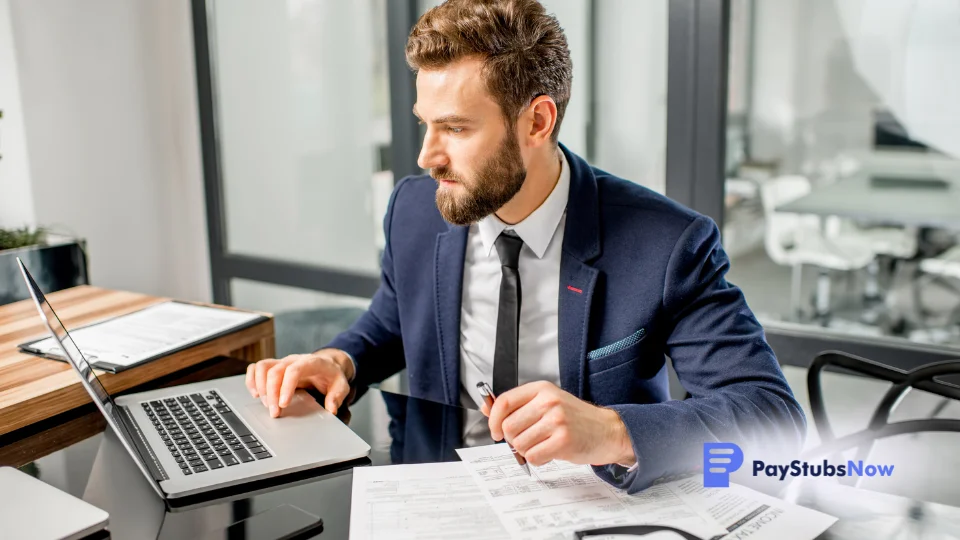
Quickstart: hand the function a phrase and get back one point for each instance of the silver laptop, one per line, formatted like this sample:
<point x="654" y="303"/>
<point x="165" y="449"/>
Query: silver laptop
<point x="203" y="436"/>
<point x="30" y="508"/>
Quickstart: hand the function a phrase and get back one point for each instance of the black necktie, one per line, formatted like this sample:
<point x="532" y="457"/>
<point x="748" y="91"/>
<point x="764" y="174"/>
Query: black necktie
<point x="508" y="317"/>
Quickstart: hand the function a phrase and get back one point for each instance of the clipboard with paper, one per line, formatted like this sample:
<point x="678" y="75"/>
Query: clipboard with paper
<point x="119" y="343"/>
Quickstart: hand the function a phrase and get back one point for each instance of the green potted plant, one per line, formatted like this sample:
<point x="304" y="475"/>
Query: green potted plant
<point x="23" y="237"/>
<point x="56" y="262"/>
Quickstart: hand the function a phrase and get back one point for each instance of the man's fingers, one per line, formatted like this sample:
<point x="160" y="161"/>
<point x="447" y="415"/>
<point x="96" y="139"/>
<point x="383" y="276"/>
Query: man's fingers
<point x="274" y="378"/>
<point x="336" y="393"/>
<point x="543" y="453"/>
<point x="508" y="402"/>
<point x="291" y="381"/>
<point x="261" y="377"/>
<point x="251" y="379"/>
<point x="532" y="436"/>
<point x="521" y="419"/>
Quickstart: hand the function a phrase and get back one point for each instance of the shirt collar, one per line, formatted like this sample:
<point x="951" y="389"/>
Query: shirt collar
<point x="538" y="228"/>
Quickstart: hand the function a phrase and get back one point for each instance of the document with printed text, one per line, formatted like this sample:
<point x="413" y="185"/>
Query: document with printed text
<point x="561" y="498"/>
<point x="148" y="333"/>
<point x="434" y="501"/>
<point x="488" y="496"/>
<point x="746" y="513"/>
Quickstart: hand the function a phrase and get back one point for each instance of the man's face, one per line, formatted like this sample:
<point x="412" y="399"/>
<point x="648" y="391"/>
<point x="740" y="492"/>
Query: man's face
<point x="468" y="148"/>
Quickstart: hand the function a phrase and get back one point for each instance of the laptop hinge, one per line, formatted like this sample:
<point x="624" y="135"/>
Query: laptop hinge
<point x="143" y="448"/>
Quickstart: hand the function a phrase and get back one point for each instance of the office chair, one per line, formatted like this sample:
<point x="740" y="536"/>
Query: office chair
<point x="914" y="519"/>
<point x="945" y="269"/>
<point x="795" y="240"/>
<point x="946" y="264"/>
<point x="921" y="378"/>
<point x="891" y="245"/>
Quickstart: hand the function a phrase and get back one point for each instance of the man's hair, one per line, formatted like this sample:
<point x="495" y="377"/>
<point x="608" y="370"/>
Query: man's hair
<point x="522" y="47"/>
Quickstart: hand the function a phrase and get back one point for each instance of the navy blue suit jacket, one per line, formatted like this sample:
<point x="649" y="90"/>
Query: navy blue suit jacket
<point x="641" y="278"/>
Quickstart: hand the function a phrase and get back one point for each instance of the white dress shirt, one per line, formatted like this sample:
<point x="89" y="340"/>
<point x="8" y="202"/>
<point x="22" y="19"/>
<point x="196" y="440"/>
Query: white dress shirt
<point x="539" y="268"/>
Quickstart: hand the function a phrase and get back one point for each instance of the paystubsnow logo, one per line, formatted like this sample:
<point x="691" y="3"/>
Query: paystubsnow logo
<point x="721" y="459"/>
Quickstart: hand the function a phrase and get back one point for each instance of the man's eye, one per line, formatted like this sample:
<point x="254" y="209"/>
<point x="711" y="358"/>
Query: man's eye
<point x="455" y="129"/>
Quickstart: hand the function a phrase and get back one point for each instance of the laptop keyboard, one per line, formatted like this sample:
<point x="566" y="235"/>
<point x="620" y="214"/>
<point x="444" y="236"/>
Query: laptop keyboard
<point x="203" y="433"/>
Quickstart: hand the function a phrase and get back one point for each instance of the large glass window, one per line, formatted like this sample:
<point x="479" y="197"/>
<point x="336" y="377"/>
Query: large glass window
<point x="303" y="125"/>
<point x="630" y="90"/>
<point x="843" y="180"/>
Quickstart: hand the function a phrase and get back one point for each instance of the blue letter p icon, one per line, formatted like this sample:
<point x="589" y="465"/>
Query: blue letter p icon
<point x="719" y="460"/>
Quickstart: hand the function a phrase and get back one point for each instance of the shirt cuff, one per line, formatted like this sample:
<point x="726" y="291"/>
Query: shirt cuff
<point x="354" y="362"/>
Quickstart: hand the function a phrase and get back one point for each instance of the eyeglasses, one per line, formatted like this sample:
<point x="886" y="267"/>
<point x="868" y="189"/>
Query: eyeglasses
<point x="660" y="532"/>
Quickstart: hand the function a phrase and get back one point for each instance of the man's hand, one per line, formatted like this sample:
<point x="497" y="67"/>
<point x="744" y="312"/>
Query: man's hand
<point x="275" y="381"/>
<point x="545" y="423"/>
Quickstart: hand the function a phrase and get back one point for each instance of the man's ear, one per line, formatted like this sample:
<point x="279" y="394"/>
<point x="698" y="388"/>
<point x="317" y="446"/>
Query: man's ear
<point x="542" y="113"/>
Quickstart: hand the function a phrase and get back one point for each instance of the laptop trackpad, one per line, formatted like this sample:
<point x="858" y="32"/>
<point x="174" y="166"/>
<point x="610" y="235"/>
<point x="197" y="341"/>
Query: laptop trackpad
<point x="303" y="412"/>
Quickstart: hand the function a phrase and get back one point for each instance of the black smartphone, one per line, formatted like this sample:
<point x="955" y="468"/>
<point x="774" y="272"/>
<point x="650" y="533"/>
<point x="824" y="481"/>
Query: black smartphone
<point x="284" y="522"/>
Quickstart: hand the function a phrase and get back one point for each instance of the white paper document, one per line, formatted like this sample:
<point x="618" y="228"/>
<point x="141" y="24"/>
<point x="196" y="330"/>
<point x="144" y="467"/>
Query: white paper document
<point x="745" y="513"/>
<point x="147" y="333"/>
<point x="561" y="498"/>
<point x="435" y="501"/>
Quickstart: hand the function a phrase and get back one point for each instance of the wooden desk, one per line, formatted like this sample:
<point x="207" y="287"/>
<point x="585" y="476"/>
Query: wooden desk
<point x="33" y="388"/>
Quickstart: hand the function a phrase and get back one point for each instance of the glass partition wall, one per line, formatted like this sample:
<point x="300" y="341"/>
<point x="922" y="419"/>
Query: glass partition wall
<point x="295" y="112"/>
<point x="843" y="179"/>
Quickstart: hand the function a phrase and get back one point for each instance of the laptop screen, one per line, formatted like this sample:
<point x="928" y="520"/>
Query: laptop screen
<point x="70" y="349"/>
<point x="88" y="378"/>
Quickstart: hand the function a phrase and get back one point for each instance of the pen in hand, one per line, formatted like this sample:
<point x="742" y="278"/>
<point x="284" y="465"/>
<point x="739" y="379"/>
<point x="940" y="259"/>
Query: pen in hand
<point x="487" y="393"/>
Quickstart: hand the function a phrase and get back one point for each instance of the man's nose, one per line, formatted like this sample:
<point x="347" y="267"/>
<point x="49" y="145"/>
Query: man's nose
<point x="431" y="153"/>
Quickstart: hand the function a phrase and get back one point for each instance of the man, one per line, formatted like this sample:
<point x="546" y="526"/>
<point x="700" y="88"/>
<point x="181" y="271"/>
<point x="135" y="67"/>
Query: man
<point x="516" y="262"/>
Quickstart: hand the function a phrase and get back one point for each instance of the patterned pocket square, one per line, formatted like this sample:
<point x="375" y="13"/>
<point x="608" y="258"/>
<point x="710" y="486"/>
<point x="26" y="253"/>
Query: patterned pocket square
<point x="618" y="346"/>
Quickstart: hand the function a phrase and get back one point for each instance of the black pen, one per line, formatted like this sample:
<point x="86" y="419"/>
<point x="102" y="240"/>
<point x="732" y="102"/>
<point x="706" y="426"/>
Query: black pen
<point x="487" y="393"/>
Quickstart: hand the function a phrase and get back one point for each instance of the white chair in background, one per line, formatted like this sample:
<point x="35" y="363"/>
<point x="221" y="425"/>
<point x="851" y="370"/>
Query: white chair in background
<point x="945" y="268"/>
<point x="947" y="264"/>
<point x="795" y="240"/>
<point x="897" y="243"/>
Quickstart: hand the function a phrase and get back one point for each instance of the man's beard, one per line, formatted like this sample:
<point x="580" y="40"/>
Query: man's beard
<point x="497" y="181"/>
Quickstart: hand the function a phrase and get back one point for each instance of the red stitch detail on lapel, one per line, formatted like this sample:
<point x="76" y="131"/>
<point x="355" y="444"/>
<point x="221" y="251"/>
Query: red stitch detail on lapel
<point x="574" y="289"/>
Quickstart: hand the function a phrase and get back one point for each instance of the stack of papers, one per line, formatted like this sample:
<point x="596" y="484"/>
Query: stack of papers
<point x="488" y="496"/>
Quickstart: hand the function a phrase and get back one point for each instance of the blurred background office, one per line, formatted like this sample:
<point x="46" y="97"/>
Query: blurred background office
<point x="244" y="151"/>
<point x="842" y="170"/>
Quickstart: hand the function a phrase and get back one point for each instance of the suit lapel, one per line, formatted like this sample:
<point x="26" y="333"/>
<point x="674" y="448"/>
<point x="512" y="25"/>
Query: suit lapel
<point x="451" y="247"/>
<point x="574" y="322"/>
<point x="581" y="244"/>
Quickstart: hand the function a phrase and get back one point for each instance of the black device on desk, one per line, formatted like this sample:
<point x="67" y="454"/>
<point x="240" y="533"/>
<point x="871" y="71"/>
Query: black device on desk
<point x="909" y="182"/>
